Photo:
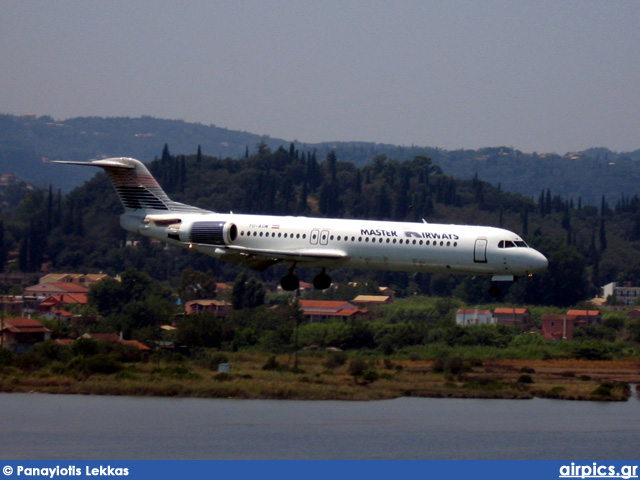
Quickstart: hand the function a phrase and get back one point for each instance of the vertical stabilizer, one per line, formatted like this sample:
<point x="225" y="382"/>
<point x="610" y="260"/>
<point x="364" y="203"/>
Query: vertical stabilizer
<point x="138" y="191"/>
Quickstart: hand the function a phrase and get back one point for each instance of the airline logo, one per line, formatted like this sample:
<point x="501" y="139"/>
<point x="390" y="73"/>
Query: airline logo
<point x="409" y="234"/>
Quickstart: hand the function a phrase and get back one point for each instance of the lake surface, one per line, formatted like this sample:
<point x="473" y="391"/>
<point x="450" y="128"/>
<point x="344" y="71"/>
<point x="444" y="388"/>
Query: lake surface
<point x="40" y="426"/>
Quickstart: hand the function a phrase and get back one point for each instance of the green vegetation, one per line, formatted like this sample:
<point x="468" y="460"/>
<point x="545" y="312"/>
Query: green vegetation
<point x="260" y="375"/>
<point x="79" y="231"/>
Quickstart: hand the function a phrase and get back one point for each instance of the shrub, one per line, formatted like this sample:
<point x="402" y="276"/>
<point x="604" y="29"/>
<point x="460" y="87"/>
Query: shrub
<point x="6" y="357"/>
<point x="370" y="376"/>
<point x="449" y="365"/>
<point x="100" y="363"/>
<point x="335" y="360"/>
<point x="604" y="390"/>
<point x="175" y="371"/>
<point x="357" y="367"/>
<point x="85" y="347"/>
<point x="30" y="362"/>
<point x="524" y="378"/>
<point x="271" y="364"/>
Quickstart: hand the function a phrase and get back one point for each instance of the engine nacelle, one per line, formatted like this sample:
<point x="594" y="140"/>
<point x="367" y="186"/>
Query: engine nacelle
<point x="213" y="233"/>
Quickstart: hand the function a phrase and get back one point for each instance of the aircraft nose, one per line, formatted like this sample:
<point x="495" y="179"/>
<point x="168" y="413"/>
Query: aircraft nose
<point x="539" y="262"/>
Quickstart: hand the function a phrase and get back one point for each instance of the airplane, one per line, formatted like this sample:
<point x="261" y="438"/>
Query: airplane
<point x="261" y="241"/>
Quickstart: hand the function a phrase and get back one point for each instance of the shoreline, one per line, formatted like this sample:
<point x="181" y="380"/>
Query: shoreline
<point x="567" y="379"/>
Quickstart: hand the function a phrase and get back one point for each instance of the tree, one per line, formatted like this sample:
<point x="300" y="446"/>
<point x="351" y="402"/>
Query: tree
<point x="238" y="292"/>
<point x="201" y="330"/>
<point x="195" y="284"/>
<point x="564" y="283"/>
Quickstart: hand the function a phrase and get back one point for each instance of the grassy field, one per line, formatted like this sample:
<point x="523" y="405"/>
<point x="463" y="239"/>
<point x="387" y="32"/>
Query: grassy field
<point x="326" y="377"/>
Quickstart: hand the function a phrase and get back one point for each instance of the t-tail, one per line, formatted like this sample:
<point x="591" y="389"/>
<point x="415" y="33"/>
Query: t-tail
<point x="138" y="191"/>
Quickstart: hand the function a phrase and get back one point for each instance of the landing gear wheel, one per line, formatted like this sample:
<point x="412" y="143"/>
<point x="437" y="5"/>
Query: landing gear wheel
<point x="322" y="281"/>
<point x="290" y="282"/>
<point x="494" y="291"/>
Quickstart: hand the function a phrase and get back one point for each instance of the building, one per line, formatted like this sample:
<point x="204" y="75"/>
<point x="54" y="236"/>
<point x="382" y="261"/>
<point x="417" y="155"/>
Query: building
<point x="56" y="314"/>
<point x="44" y="290"/>
<point x="557" y="327"/>
<point x="217" y="307"/>
<point x="512" y="317"/>
<point x="584" y="318"/>
<point x="474" y="316"/>
<point x="323" y="310"/>
<point x="20" y="334"/>
<point x="11" y="305"/>
<point x="76" y="278"/>
<point x="372" y="300"/>
<point x="625" y="293"/>
<point x="56" y="302"/>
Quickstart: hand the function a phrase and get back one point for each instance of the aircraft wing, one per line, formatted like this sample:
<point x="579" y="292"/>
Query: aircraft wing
<point x="261" y="259"/>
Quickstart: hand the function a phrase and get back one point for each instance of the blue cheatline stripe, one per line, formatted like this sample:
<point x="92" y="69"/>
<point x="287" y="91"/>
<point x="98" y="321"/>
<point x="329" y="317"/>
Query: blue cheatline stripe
<point x="309" y="470"/>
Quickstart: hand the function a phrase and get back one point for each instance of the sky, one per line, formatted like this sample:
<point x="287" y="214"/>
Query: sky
<point x="538" y="76"/>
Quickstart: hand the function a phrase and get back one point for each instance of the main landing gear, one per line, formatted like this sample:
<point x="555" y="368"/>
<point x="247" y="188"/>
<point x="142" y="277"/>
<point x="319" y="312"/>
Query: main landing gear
<point x="290" y="281"/>
<point x="322" y="281"/>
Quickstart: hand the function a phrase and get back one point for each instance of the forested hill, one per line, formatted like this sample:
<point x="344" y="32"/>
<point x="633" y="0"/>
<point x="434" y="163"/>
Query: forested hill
<point x="586" y="246"/>
<point x="26" y="141"/>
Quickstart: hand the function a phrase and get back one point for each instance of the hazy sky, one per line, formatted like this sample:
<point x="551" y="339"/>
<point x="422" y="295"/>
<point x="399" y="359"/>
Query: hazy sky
<point x="545" y="76"/>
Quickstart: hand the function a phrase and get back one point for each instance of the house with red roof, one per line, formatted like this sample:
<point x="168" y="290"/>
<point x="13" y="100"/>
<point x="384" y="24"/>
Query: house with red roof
<point x="20" y="334"/>
<point x="584" y="318"/>
<point x="56" y="302"/>
<point x="323" y="310"/>
<point x="512" y="317"/>
<point x="49" y="289"/>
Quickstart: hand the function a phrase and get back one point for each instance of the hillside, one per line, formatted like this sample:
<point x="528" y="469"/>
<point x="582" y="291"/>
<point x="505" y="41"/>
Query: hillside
<point x="27" y="142"/>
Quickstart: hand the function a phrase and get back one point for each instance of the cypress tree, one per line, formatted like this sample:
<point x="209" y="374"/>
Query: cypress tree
<point x="603" y="236"/>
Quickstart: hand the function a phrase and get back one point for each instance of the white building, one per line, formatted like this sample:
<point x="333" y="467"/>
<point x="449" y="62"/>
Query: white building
<point x="625" y="294"/>
<point x="474" y="316"/>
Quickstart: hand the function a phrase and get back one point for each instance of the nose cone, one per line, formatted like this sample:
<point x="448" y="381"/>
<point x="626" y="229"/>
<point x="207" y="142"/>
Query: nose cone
<point x="537" y="262"/>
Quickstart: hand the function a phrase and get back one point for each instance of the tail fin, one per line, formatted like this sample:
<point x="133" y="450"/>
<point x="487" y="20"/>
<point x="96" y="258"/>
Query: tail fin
<point x="138" y="191"/>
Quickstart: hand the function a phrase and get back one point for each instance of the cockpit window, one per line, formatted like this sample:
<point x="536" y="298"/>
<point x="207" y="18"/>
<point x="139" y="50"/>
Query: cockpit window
<point x="510" y="244"/>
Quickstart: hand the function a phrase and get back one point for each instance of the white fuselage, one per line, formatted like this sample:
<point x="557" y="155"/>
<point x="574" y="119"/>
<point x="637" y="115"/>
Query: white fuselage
<point x="366" y="244"/>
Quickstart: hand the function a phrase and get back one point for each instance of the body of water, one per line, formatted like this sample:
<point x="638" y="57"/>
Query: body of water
<point x="40" y="426"/>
